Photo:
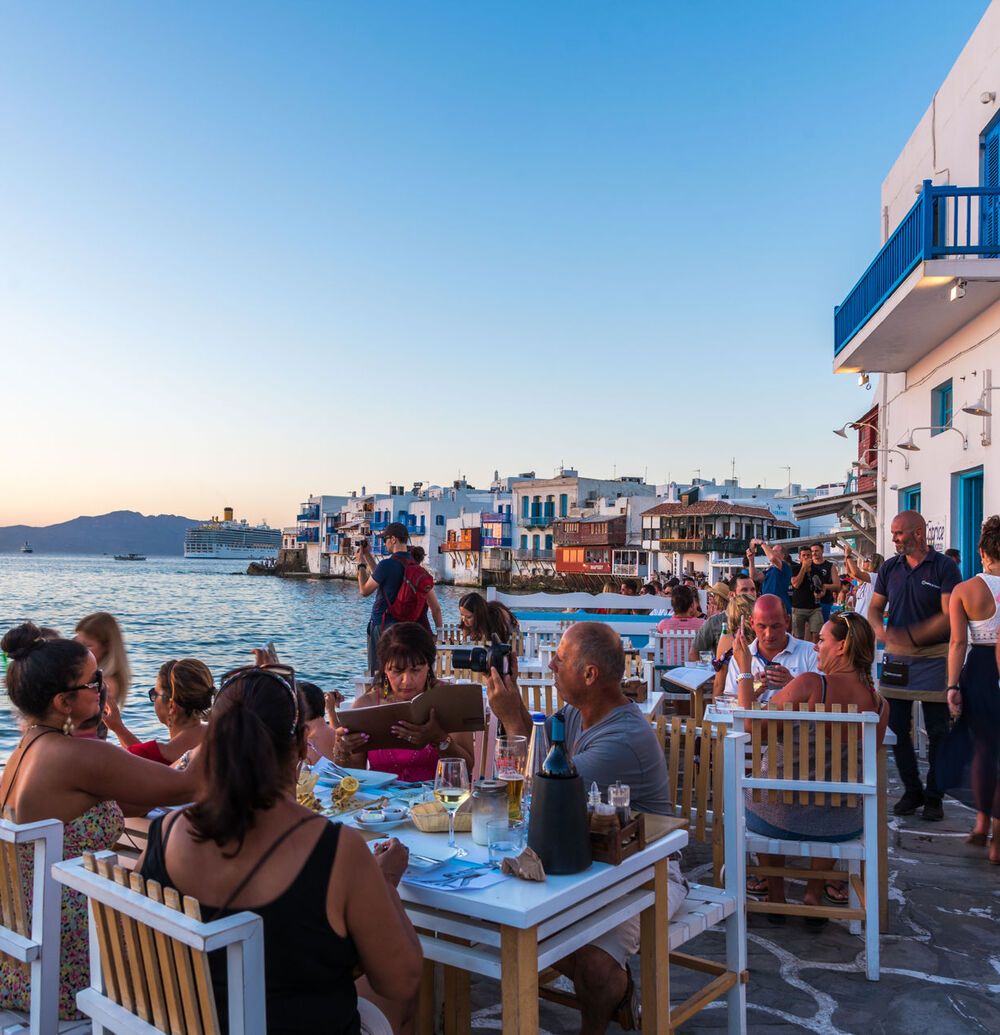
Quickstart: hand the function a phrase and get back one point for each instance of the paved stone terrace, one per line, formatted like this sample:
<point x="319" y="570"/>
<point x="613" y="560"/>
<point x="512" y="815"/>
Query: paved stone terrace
<point x="940" y="959"/>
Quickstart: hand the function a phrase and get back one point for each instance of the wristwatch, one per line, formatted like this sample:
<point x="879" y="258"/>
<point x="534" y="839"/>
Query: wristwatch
<point x="743" y="675"/>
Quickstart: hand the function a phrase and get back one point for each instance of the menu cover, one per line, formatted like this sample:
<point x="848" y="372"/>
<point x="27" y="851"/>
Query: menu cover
<point x="458" y="708"/>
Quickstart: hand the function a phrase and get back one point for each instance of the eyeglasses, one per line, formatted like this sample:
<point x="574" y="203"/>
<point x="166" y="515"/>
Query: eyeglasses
<point x="283" y="674"/>
<point x="97" y="683"/>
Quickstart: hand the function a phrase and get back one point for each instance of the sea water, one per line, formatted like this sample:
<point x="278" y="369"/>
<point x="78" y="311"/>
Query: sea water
<point x="170" y="607"/>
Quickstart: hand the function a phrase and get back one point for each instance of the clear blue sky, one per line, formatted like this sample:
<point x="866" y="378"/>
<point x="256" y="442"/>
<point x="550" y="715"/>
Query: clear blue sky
<point x="252" y="251"/>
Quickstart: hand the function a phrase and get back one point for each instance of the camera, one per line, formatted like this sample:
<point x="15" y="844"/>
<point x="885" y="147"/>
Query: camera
<point x="482" y="659"/>
<point x="361" y="544"/>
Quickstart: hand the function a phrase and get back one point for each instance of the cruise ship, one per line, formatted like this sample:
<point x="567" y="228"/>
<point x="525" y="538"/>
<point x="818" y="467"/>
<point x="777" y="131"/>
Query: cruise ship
<point x="229" y="540"/>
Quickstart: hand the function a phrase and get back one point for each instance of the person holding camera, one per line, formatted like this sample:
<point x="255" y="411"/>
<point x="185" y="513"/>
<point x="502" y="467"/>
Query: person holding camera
<point x="401" y="586"/>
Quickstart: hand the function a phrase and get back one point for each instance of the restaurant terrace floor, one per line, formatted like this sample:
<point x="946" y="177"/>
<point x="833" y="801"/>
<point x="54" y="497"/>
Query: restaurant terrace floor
<point x="940" y="960"/>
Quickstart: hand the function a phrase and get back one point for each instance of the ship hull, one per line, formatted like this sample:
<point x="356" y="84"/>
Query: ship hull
<point x="231" y="553"/>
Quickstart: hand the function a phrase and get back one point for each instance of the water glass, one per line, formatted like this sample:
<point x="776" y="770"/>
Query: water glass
<point x="505" y="839"/>
<point x="705" y="658"/>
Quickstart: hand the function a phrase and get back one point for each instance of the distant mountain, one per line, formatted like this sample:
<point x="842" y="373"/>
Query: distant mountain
<point x="121" y="531"/>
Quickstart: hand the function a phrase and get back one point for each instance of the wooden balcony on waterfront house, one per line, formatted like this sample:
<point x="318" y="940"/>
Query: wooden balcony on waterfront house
<point x="590" y="531"/>
<point x="461" y="540"/>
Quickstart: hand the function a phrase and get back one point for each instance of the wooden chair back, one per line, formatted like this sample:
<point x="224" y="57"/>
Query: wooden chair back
<point x="695" y="769"/>
<point x="149" y="956"/>
<point x="670" y="649"/>
<point x="816" y="754"/>
<point x="539" y="695"/>
<point x="33" y="937"/>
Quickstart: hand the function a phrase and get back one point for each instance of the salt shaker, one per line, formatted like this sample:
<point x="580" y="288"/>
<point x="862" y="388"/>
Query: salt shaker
<point x="489" y="803"/>
<point x="620" y="795"/>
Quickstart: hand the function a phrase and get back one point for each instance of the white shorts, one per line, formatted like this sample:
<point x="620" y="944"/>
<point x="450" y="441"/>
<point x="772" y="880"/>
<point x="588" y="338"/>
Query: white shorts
<point x="623" y="941"/>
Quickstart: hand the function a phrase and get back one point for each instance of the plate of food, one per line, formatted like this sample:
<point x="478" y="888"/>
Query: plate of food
<point x="329" y="774"/>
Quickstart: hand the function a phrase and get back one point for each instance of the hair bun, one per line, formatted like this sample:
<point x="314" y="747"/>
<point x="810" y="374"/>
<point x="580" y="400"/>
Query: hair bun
<point x="20" y="641"/>
<point x="992" y="524"/>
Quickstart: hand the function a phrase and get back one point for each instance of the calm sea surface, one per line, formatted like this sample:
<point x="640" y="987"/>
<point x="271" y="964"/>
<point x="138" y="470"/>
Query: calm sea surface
<point x="172" y="608"/>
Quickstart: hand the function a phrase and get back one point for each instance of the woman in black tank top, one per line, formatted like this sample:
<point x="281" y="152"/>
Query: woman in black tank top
<point x="246" y="845"/>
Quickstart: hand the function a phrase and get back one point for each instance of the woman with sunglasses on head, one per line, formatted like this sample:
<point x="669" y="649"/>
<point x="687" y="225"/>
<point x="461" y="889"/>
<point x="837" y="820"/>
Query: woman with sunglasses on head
<point x="327" y="903"/>
<point x="405" y="654"/>
<point x="59" y="771"/>
<point x="846" y="649"/>
<point x="181" y="699"/>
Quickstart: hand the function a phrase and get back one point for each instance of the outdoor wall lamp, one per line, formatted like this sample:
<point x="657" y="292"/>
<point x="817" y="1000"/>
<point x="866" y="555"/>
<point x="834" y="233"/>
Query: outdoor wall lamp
<point x="856" y="425"/>
<point x="981" y="407"/>
<point x="957" y="291"/>
<point x="909" y="445"/>
<point x="862" y="464"/>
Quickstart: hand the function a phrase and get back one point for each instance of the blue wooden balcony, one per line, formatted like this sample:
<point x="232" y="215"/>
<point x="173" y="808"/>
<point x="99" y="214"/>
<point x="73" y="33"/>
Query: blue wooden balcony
<point x="308" y="535"/>
<point x="309" y="513"/>
<point x="941" y="240"/>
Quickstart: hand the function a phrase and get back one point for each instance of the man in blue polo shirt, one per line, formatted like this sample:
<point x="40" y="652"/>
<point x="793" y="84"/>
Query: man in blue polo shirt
<point x="912" y="591"/>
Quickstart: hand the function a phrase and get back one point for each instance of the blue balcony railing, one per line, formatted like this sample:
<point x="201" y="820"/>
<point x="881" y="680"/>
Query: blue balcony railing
<point x="944" y="221"/>
<point x="378" y="526"/>
<point x="539" y="520"/>
<point x="494" y="516"/>
<point x="308" y="535"/>
<point x="309" y="513"/>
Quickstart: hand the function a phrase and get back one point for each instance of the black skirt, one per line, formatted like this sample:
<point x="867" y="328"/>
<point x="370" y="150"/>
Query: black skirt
<point x="978" y="683"/>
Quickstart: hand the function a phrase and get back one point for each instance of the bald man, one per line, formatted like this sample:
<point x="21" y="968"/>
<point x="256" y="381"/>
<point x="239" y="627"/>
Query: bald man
<point x="776" y="657"/>
<point x="608" y="739"/>
<point x="914" y="589"/>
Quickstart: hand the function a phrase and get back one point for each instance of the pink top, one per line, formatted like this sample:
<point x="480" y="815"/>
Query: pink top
<point x="409" y="765"/>
<point x="680" y="625"/>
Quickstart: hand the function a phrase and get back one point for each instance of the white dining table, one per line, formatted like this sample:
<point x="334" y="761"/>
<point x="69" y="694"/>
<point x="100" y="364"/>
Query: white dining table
<point x="514" y="930"/>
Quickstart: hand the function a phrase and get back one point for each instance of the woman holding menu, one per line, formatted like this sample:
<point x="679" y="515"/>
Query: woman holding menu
<point x="405" y="657"/>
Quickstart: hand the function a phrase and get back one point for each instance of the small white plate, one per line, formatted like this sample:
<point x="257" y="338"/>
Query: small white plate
<point x="384" y="824"/>
<point x="439" y="855"/>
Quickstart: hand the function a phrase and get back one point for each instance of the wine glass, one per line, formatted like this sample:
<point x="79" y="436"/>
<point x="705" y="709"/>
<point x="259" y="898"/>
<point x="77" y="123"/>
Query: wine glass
<point x="451" y="788"/>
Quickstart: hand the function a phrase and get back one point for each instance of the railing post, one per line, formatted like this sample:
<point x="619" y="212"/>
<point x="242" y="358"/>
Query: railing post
<point x="927" y="220"/>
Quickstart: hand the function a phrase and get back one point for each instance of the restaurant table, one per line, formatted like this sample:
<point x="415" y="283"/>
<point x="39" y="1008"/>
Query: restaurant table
<point x="514" y="930"/>
<point x="690" y="679"/>
<point x="713" y="714"/>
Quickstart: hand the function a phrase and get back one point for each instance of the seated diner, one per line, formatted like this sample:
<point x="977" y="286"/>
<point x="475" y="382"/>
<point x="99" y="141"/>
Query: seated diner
<point x="405" y="668"/>
<point x="327" y="902"/>
<point x="845" y="651"/>
<point x="181" y="699"/>
<point x="60" y="770"/>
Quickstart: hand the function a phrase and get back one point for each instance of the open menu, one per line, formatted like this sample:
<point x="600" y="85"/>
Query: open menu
<point x="458" y="708"/>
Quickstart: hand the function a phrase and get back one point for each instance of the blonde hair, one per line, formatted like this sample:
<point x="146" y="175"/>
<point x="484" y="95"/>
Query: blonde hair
<point x="854" y="631"/>
<point x="104" y="628"/>
<point x="740" y="607"/>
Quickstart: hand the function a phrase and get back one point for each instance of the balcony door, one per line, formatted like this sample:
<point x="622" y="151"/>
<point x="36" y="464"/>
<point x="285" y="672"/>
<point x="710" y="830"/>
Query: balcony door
<point x="989" y="176"/>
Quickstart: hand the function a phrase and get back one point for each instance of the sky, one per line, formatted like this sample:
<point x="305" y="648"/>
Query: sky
<point x="254" y="251"/>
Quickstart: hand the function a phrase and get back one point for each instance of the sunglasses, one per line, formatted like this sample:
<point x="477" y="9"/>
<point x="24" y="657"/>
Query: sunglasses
<point x="97" y="683"/>
<point x="283" y="674"/>
<point x="152" y="695"/>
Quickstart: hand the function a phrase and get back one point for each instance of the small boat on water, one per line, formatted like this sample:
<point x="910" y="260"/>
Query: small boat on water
<point x="27" y="548"/>
<point x="129" y="557"/>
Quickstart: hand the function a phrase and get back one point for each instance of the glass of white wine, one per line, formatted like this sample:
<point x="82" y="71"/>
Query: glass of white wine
<point x="451" y="788"/>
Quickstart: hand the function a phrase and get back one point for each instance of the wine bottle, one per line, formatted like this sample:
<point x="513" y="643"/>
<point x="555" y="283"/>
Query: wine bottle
<point x="557" y="762"/>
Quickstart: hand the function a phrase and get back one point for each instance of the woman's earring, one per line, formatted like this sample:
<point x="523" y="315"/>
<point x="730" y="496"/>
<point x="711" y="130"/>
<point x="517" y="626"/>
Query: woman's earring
<point x="68" y="727"/>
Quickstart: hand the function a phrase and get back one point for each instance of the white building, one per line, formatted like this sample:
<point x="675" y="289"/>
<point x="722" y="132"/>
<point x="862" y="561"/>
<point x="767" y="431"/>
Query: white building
<point x="925" y="314"/>
<point x="539" y="502"/>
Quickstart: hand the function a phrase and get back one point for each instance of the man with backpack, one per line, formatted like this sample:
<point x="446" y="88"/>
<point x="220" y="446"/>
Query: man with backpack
<point x="401" y="586"/>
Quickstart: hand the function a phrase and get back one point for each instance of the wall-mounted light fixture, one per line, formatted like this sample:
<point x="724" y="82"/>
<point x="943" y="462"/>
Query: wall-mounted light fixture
<point x="910" y="446"/>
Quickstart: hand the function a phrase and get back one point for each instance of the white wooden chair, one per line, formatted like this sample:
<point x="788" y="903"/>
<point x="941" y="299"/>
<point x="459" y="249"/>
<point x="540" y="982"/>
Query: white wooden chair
<point x="33" y="939"/>
<point x="705" y="907"/>
<point x="539" y="695"/>
<point x="149" y="950"/>
<point x="832" y="729"/>
<point x="695" y="770"/>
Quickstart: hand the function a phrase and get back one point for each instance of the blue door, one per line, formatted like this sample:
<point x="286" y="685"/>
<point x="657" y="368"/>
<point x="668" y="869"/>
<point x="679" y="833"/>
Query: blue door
<point x="970" y="520"/>
<point x="989" y="176"/>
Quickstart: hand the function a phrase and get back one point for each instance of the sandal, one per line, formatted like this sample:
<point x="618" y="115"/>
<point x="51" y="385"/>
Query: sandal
<point x="835" y="893"/>
<point x="757" y="888"/>
<point x="977" y="838"/>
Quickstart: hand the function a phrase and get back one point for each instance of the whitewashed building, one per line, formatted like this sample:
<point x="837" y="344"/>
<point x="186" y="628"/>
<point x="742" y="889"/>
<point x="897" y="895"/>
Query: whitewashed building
<point x="925" y="314"/>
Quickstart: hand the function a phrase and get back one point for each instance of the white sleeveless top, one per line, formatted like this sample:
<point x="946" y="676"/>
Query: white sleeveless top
<point x="984" y="632"/>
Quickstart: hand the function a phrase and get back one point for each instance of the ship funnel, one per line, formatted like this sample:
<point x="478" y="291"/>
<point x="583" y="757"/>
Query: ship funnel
<point x="227" y="514"/>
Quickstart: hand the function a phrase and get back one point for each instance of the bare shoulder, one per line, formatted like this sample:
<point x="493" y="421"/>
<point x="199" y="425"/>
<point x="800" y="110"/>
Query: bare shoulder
<point x="366" y="700"/>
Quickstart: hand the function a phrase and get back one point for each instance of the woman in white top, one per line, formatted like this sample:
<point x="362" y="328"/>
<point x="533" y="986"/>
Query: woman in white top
<point x="864" y="574"/>
<point x="973" y="681"/>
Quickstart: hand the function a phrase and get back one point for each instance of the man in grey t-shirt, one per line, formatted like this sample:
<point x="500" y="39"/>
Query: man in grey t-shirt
<point x="608" y="739"/>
